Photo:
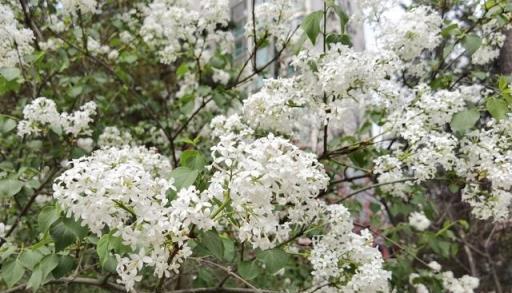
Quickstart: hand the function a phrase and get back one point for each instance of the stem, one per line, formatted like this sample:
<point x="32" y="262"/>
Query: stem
<point x="326" y="126"/>
<point x="76" y="280"/>
<point x="375" y="186"/>
<point x="27" y="206"/>
<point x="228" y="271"/>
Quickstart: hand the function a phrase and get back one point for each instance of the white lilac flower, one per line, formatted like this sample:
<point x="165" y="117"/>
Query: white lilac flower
<point x="278" y="106"/>
<point x="85" y="143"/>
<point x="14" y="41"/>
<point x="41" y="114"/>
<point x="38" y="115"/>
<point x="492" y="41"/>
<point x="112" y="136"/>
<point x="419" y="221"/>
<point x="272" y="20"/>
<point x="77" y="123"/>
<point x="486" y="158"/>
<point x="415" y="31"/>
<point x="270" y="183"/>
<point x="3" y="229"/>
<point x="125" y="190"/>
<point x="344" y="261"/>
<point x="464" y="284"/>
<point x="435" y="266"/>
<point x="220" y="76"/>
<point x="171" y="27"/>
<point x="341" y="74"/>
<point x="72" y="7"/>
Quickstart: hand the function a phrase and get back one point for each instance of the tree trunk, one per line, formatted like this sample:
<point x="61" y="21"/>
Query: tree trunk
<point x="505" y="59"/>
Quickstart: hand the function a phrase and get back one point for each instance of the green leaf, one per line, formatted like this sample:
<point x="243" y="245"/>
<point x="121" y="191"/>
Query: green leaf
<point x="47" y="216"/>
<point x="311" y="25"/>
<point x="193" y="160"/>
<point x="336" y="38"/>
<point x="35" y="280"/>
<point x="76" y="91"/>
<point x="42" y="270"/>
<point x="342" y="15"/>
<point x="463" y="121"/>
<point x="274" y="259"/>
<point x="10" y="187"/>
<point x="248" y="270"/>
<point x="110" y="264"/>
<point x="65" y="266"/>
<point x="12" y="272"/>
<point x="30" y="258"/>
<point x="503" y="83"/>
<point x="66" y="232"/>
<point x="128" y="58"/>
<point x="48" y="263"/>
<point x="106" y="245"/>
<point x="213" y="243"/>
<point x="229" y="249"/>
<point x="182" y="70"/>
<point x="10" y="73"/>
<point x="497" y="107"/>
<point x="472" y="42"/>
<point x="7" y="125"/>
<point x="184" y="177"/>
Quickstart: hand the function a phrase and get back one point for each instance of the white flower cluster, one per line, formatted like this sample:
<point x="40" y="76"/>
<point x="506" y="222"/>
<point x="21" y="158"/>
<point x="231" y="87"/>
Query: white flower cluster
<point x="14" y="41"/>
<point x="278" y="106"/>
<point x="419" y="221"/>
<point x="492" y="40"/>
<point x="481" y="157"/>
<point x="272" y="20"/>
<point x="421" y="122"/>
<point x="287" y="104"/>
<point x="486" y="163"/>
<point x="95" y="48"/>
<point x="42" y="114"/>
<point x="172" y="26"/>
<point x="125" y="190"/>
<point x="112" y="136"/>
<point x="3" y="229"/>
<point x="416" y="30"/>
<point x="464" y="284"/>
<point x="344" y="261"/>
<point x="371" y="10"/>
<point x="451" y="284"/>
<point x="269" y="183"/>
<point x="220" y="76"/>
<point x="347" y="73"/>
<point x="71" y="7"/>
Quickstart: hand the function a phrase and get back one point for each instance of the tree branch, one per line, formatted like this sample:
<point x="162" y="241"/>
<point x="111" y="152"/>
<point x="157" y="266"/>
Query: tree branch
<point x="375" y="186"/>
<point x="76" y="280"/>
<point x="27" y="206"/>
<point x="228" y="271"/>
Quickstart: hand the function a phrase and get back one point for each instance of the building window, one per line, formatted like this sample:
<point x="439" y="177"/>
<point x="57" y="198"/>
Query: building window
<point x="263" y="56"/>
<point x="238" y="12"/>
<point x="240" y="48"/>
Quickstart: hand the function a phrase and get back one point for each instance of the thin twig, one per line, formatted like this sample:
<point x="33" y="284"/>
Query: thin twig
<point x="375" y="186"/>
<point x="77" y="280"/>
<point x="28" y="205"/>
<point x="228" y="271"/>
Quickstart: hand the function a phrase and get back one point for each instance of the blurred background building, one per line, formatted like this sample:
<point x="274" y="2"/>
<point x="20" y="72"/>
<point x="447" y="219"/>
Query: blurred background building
<point x="241" y="10"/>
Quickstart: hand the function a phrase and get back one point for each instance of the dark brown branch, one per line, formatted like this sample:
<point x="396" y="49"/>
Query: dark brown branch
<point x="76" y="280"/>
<point x="28" y="21"/>
<point x="254" y="37"/>
<point x="374" y="186"/>
<point x="28" y="205"/>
